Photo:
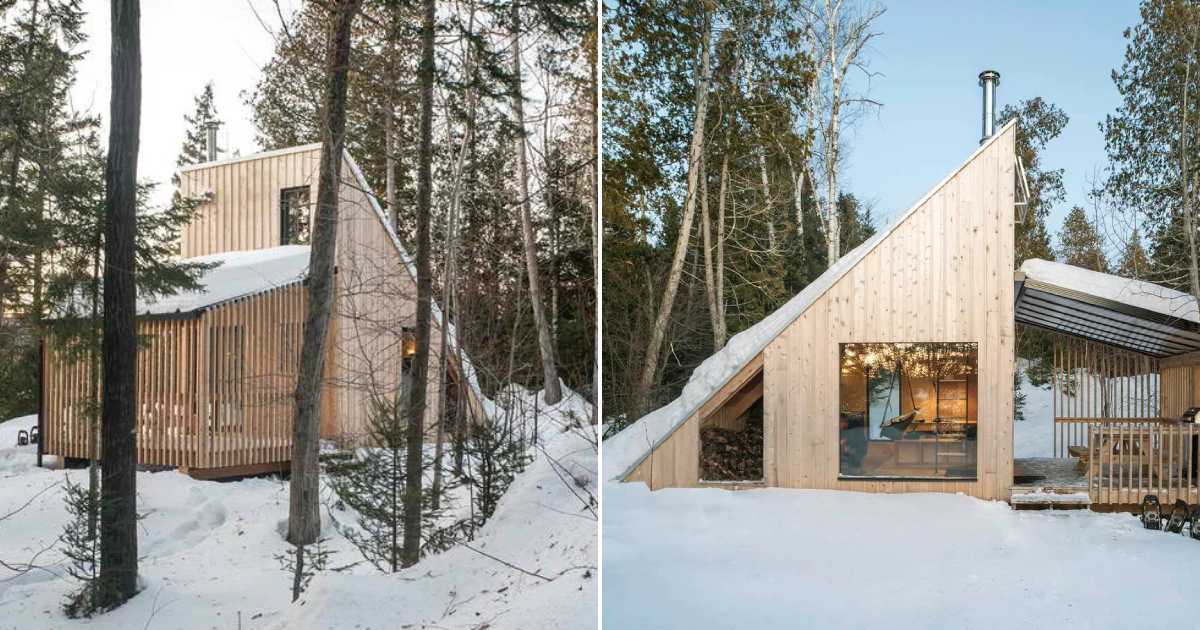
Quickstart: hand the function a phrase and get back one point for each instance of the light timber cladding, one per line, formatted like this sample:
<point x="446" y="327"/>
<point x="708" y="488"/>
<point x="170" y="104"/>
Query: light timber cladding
<point x="215" y="384"/>
<point x="942" y="274"/>
<point x="214" y="391"/>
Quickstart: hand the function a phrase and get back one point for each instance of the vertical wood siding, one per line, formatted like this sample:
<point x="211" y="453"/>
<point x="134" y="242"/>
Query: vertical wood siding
<point x="215" y="391"/>
<point x="944" y="274"/>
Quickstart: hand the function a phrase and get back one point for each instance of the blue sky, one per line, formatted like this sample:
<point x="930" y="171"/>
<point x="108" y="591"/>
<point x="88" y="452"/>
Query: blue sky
<point x="930" y="55"/>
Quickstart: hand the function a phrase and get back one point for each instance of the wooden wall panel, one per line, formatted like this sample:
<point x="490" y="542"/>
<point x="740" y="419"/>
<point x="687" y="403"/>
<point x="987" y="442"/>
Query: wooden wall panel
<point x="944" y="274"/>
<point x="376" y="292"/>
<point x="243" y="212"/>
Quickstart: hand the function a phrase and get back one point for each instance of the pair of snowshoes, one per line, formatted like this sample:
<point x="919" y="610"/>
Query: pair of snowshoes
<point x="25" y="438"/>
<point x="1181" y="515"/>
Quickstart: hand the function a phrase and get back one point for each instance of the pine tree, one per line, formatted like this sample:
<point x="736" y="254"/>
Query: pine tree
<point x="1080" y="243"/>
<point x="195" y="140"/>
<point x="1153" y="138"/>
<point x="81" y="546"/>
<point x="371" y="481"/>
<point x="496" y="455"/>
<point x="1039" y="122"/>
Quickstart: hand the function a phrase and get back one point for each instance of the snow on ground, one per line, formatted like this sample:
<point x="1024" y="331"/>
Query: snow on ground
<point x="1034" y="436"/>
<point x="208" y="552"/>
<point x="779" y="558"/>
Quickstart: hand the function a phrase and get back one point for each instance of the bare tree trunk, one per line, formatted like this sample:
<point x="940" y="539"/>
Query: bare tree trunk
<point x="719" y="281"/>
<point x="118" y="488"/>
<point x="766" y="186"/>
<point x="304" y="521"/>
<point x="594" y="198"/>
<point x="710" y="286"/>
<point x="650" y="367"/>
<point x="451" y="271"/>
<point x="414" y="465"/>
<point x="552" y="392"/>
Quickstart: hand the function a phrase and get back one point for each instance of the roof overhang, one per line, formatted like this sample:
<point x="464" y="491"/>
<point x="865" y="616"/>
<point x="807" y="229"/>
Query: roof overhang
<point x="1088" y="316"/>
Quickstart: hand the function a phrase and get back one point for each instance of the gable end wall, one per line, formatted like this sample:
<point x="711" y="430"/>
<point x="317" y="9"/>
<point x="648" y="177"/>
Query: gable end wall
<point x="943" y="274"/>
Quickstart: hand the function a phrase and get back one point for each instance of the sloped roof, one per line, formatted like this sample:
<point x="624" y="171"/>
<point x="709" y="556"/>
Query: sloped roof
<point x="624" y="451"/>
<point x="1123" y="312"/>
<point x="237" y="275"/>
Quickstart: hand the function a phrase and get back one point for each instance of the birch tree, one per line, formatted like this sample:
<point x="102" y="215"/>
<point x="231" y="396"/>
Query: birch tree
<point x="841" y="32"/>
<point x="703" y="76"/>
<point x="552" y="391"/>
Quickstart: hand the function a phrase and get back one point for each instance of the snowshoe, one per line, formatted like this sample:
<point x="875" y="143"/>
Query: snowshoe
<point x="34" y="435"/>
<point x="1151" y="512"/>
<point x="1194" y="530"/>
<point x="22" y="437"/>
<point x="1179" y="514"/>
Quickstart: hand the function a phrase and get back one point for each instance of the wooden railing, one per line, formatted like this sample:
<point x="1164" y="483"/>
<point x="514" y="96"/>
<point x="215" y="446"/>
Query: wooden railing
<point x="1071" y="434"/>
<point x="1125" y="461"/>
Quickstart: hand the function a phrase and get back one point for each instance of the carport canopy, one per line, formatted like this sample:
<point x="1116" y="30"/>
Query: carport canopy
<point x="1122" y="312"/>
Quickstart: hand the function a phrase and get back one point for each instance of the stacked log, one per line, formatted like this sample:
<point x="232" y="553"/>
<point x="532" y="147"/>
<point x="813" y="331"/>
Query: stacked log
<point x="729" y="455"/>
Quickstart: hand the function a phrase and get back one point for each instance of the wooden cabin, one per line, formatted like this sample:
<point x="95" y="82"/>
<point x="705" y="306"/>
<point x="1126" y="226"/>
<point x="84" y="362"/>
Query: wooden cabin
<point x="217" y="370"/>
<point x="894" y="371"/>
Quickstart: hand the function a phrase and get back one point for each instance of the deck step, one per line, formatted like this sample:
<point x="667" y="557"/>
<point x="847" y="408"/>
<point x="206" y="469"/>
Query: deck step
<point x="1041" y="496"/>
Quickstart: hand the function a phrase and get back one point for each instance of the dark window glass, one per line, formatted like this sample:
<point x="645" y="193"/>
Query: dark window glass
<point x="908" y="410"/>
<point x="294" y="216"/>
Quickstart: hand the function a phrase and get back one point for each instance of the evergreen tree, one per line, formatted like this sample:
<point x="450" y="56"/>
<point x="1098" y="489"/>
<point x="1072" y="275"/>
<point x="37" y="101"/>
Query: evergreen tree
<point x="496" y="455"/>
<point x="1080" y="243"/>
<point x="1039" y="122"/>
<point x="195" y="140"/>
<point x="856" y="223"/>
<point x="371" y="482"/>
<point x="81" y="546"/>
<point x="1153" y="139"/>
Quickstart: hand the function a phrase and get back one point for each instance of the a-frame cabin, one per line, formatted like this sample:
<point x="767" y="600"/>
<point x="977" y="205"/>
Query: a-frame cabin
<point x="217" y="370"/>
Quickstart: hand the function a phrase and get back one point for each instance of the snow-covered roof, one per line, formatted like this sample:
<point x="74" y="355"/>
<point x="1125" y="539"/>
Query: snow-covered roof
<point x="237" y="275"/>
<point x="1137" y="293"/>
<point x="625" y="450"/>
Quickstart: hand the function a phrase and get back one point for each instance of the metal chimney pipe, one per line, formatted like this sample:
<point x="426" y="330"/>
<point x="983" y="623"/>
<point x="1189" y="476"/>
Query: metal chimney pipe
<point x="989" y="80"/>
<point x="210" y="139"/>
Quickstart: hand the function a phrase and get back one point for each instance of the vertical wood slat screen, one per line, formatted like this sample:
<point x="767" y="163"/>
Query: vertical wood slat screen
<point x="1131" y="459"/>
<point x="212" y="391"/>
<point x="1097" y="383"/>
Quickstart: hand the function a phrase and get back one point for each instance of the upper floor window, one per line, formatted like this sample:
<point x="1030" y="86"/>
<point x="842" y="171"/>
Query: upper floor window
<point x="295" y="223"/>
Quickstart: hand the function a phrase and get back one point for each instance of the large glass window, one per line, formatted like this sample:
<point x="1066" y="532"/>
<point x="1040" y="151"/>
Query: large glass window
<point x="908" y="410"/>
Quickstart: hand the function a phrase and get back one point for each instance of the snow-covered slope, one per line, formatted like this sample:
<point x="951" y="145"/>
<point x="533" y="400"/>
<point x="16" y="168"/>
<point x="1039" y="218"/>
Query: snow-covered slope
<point x="209" y="552"/>
<point x="542" y="526"/>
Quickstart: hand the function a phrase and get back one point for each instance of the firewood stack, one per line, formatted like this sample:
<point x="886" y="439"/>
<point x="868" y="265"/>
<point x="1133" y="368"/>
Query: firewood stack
<point x="729" y="455"/>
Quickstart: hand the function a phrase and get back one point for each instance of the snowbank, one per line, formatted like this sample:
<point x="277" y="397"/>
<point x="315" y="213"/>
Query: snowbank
<point x="625" y="450"/>
<point x="208" y="551"/>
<point x="1151" y="297"/>
<point x="773" y="558"/>
<point x="542" y="526"/>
